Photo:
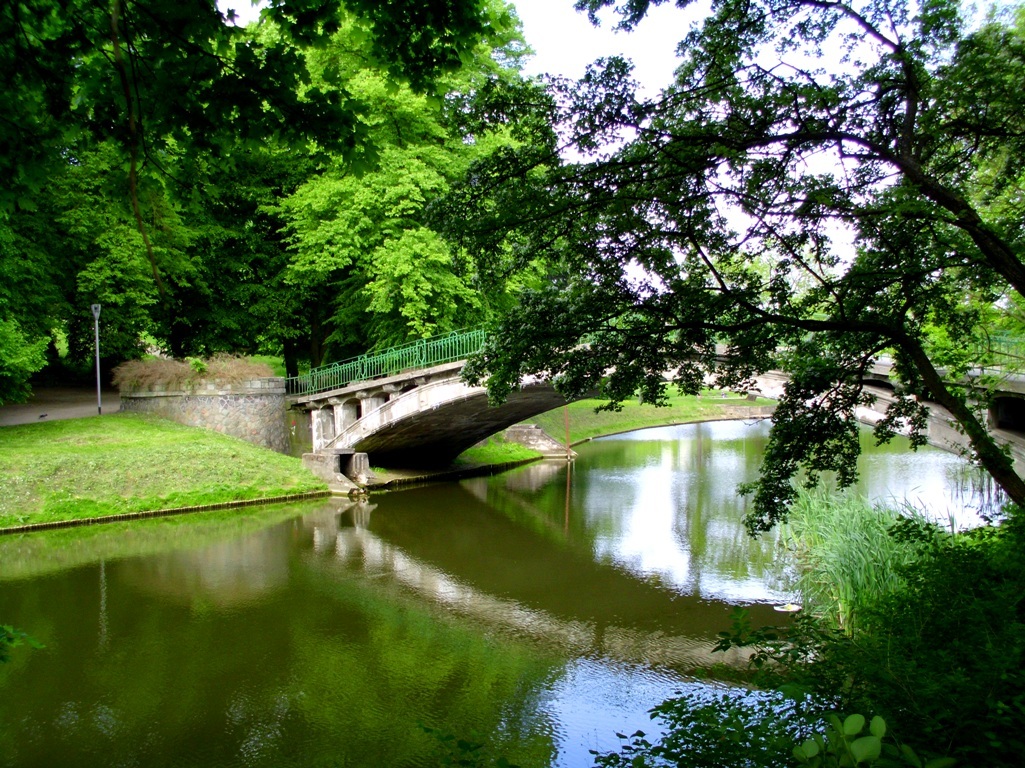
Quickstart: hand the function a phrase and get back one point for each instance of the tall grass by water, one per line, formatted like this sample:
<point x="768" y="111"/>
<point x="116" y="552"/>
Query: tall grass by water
<point x="846" y="556"/>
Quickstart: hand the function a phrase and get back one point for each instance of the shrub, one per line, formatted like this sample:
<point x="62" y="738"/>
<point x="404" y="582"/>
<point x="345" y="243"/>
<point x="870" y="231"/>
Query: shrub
<point x="178" y="374"/>
<point x="940" y="652"/>
<point x="717" y="729"/>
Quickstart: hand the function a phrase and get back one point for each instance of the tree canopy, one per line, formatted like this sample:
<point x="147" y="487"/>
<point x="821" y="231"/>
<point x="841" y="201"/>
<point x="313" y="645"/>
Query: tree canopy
<point x="824" y="184"/>
<point x="150" y="148"/>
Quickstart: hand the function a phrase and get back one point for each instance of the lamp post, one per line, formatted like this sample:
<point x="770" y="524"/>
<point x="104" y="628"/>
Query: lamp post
<point x="96" y="323"/>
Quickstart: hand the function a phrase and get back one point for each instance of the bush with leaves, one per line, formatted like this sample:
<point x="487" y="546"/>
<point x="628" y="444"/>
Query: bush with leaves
<point x="941" y="658"/>
<point x="847" y="744"/>
<point x="174" y="374"/>
<point x="714" y="729"/>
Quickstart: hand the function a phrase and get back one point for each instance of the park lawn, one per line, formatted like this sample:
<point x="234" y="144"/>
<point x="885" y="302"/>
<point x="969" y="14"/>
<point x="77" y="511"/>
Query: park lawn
<point x="126" y="462"/>
<point x="495" y="450"/>
<point x="584" y="423"/>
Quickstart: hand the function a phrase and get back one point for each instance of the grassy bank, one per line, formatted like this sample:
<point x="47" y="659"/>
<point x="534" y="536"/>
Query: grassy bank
<point x="84" y="468"/>
<point x="584" y="423"/>
<point x="495" y="450"/>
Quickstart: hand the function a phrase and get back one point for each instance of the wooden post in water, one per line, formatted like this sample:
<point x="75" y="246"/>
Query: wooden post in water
<point x="565" y="415"/>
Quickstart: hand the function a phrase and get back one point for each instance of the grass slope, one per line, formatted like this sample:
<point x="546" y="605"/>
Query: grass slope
<point x="495" y="450"/>
<point x="584" y="423"/>
<point x="82" y="468"/>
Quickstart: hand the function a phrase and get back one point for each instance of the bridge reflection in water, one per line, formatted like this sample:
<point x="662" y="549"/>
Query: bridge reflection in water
<point x="549" y="594"/>
<point x="505" y="606"/>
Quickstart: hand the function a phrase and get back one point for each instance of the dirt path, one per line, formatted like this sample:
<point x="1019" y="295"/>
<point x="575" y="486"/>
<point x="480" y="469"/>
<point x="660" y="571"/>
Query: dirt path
<point x="49" y="403"/>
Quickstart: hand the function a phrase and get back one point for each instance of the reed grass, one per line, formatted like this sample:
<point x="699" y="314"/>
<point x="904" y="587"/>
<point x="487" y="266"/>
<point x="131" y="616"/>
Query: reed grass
<point x="846" y="557"/>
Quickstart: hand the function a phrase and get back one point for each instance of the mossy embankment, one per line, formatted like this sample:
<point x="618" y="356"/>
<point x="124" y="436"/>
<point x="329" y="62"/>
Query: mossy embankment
<point x="127" y="463"/>
<point x="585" y="423"/>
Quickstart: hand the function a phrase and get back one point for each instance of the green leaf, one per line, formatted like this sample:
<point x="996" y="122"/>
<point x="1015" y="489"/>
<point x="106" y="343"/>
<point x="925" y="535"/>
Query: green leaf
<point x="877" y="727"/>
<point x="941" y="762"/>
<point x="853" y="724"/>
<point x="909" y="756"/>
<point x="867" y="749"/>
<point x="808" y="750"/>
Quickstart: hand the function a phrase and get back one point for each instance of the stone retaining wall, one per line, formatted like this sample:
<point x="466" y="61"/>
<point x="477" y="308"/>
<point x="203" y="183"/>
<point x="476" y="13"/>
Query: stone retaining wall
<point x="253" y="410"/>
<point x="535" y="438"/>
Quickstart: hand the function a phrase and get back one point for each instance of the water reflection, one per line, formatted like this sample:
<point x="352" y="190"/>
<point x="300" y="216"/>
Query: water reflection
<point x="225" y="573"/>
<point x="542" y="610"/>
<point x="662" y="504"/>
<point x="359" y="549"/>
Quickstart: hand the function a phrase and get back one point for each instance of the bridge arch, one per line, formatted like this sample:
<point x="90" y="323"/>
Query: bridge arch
<point x="1007" y="413"/>
<point x="430" y="424"/>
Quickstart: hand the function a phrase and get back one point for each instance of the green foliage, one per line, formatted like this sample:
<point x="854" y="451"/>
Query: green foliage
<point x="811" y="194"/>
<point x="846" y="744"/>
<point x="163" y="202"/>
<point x="12" y="638"/>
<point x="360" y="230"/>
<point x="27" y="296"/>
<point x="938" y="652"/>
<point x="20" y="357"/>
<point x="757" y="730"/>
<point x="711" y="730"/>
<point x="192" y="80"/>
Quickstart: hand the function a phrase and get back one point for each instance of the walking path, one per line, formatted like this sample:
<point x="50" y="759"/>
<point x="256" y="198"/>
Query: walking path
<point x="49" y="403"/>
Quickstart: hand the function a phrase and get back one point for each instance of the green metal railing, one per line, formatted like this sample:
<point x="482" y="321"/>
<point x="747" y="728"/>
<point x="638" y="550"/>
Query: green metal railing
<point x="1001" y="344"/>
<point x="422" y="353"/>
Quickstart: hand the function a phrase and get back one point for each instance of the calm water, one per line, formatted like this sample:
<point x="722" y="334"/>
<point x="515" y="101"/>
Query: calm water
<point x="537" y="612"/>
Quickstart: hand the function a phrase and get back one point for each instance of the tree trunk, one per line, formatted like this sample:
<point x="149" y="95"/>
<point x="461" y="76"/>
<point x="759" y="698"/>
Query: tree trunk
<point x="290" y="353"/>
<point x="989" y="454"/>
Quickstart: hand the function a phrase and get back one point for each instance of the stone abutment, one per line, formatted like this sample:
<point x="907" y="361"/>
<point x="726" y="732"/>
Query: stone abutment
<point x="253" y="410"/>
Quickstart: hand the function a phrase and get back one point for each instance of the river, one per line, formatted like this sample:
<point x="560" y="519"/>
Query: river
<point x="536" y="612"/>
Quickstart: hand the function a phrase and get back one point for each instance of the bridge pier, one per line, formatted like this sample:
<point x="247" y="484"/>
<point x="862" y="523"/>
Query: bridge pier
<point x="371" y="401"/>
<point x="346" y="413"/>
<point x="345" y="470"/>
<point x="322" y="422"/>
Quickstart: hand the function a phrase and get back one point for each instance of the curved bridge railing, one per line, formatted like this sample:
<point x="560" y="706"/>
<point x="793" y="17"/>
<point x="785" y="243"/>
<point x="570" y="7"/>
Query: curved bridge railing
<point x="422" y="353"/>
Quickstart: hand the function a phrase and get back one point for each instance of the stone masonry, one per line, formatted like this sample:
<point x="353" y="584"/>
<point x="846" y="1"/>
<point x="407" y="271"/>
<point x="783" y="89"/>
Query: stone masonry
<point x="253" y="410"/>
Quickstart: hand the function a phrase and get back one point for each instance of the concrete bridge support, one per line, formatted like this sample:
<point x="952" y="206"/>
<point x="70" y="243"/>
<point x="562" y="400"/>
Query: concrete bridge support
<point x="346" y="412"/>
<point x="322" y="421"/>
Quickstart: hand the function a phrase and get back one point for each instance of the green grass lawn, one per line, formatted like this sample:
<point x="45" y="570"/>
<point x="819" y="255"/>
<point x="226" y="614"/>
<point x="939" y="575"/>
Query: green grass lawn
<point x="495" y="450"/>
<point x="126" y="462"/>
<point x="584" y="423"/>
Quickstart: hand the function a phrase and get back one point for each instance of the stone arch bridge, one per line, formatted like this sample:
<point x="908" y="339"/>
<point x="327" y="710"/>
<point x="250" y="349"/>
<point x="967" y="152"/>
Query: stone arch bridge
<point x="419" y="418"/>
<point x="408" y="406"/>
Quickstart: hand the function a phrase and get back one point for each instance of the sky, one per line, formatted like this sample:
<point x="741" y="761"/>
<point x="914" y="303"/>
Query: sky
<point x="565" y="42"/>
